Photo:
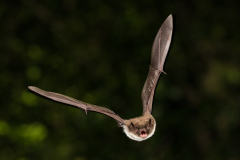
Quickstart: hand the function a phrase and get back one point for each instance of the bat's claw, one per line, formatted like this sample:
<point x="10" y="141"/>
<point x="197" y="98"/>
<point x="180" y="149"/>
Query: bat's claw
<point x="119" y="124"/>
<point x="162" y="71"/>
<point x="85" y="111"/>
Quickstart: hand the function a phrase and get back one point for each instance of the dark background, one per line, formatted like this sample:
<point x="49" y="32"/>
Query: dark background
<point x="99" y="52"/>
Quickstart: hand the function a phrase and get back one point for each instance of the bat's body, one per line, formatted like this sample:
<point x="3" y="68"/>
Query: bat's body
<point x="143" y="127"/>
<point x="140" y="128"/>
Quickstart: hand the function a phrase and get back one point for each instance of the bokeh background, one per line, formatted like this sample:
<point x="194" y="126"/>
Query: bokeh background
<point x="98" y="51"/>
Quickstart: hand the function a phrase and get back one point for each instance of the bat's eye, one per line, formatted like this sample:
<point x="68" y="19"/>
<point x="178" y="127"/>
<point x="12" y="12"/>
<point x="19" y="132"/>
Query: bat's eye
<point x="132" y="125"/>
<point x="149" y="123"/>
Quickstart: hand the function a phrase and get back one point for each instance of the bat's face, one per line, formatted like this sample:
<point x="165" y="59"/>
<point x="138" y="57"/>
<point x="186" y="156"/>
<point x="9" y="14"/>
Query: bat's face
<point x="140" y="128"/>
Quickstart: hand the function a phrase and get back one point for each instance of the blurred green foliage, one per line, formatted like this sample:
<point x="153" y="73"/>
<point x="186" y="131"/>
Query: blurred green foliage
<point x="99" y="52"/>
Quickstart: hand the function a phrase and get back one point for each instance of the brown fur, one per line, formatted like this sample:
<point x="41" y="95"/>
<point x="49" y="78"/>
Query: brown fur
<point x="140" y="123"/>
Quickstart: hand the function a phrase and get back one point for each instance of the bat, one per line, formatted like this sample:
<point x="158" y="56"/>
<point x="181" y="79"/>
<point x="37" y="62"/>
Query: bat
<point x="139" y="128"/>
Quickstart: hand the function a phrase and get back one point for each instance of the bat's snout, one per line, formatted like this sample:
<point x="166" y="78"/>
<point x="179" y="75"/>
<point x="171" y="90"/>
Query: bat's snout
<point x="143" y="133"/>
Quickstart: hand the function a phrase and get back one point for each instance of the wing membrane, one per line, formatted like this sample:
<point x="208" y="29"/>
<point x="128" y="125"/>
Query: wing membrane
<point x="159" y="52"/>
<point x="81" y="105"/>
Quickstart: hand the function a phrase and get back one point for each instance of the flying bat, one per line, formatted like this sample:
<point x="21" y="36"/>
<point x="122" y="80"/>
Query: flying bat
<point x="139" y="128"/>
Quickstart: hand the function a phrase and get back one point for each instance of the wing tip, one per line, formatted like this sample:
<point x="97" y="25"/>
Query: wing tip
<point x="35" y="89"/>
<point x="32" y="88"/>
<point x="170" y="18"/>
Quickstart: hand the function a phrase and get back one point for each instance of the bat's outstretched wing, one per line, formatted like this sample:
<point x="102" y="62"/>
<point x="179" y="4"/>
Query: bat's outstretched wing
<point x="81" y="105"/>
<point x="159" y="52"/>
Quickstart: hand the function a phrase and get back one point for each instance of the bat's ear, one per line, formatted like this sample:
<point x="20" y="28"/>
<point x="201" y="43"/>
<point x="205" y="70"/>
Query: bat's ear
<point x="149" y="123"/>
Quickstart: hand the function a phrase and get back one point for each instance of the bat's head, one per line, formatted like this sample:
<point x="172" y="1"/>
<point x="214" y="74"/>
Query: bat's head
<point x="140" y="128"/>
